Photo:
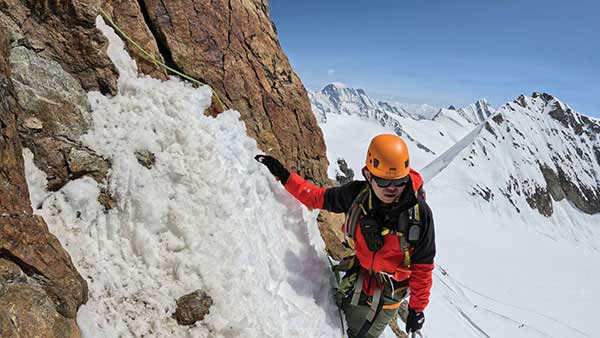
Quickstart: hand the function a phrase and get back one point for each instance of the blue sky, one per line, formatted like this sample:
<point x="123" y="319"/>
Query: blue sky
<point x="447" y="52"/>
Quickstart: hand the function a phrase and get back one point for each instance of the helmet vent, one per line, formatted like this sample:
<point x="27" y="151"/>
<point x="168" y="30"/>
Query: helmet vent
<point x="375" y="163"/>
<point x="406" y="164"/>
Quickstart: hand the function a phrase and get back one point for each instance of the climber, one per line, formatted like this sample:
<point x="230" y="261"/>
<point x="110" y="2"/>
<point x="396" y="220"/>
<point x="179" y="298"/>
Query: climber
<point x="390" y="228"/>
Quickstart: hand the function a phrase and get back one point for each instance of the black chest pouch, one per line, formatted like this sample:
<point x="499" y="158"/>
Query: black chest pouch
<point x="409" y="227"/>
<point x="371" y="231"/>
<point x="414" y="233"/>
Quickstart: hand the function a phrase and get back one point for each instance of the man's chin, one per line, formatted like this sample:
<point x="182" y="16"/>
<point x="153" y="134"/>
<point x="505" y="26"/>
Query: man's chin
<point x="389" y="199"/>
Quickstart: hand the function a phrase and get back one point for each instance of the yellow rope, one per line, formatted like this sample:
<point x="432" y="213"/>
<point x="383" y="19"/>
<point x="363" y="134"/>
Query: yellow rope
<point x="157" y="62"/>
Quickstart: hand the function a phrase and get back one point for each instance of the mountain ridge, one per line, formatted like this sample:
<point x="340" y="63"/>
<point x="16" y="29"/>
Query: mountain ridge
<point x="551" y="151"/>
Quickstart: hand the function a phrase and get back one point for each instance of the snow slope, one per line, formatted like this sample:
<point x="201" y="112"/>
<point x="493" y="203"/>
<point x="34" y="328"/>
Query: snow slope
<point x="205" y="216"/>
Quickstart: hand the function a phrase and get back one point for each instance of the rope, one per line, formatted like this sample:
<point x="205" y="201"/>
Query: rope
<point x="157" y="62"/>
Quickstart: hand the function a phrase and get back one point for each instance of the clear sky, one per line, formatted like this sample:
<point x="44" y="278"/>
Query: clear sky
<point x="447" y="52"/>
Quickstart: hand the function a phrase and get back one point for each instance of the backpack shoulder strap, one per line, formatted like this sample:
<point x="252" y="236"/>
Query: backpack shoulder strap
<point x="353" y="214"/>
<point x="414" y="218"/>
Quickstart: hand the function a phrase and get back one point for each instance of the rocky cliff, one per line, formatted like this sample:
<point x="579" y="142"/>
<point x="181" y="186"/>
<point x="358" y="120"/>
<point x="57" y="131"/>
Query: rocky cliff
<point x="52" y="55"/>
<point x="232" y="45"/>
<point x="40" y="290"/>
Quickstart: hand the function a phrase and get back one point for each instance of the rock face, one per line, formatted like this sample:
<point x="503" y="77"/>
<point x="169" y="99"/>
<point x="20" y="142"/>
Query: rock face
<point x="63" y="31"/>
<point x="192" y="307"/>
<point x="40" y="290"/>
<point x="232" y="46"/>
<point x="128" y="15"/>
<point x="55" y="114"/>
<point x="56" y="56"/>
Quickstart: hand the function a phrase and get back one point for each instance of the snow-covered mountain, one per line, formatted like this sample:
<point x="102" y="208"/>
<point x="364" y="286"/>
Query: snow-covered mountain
<point x="337" y="98"/>
<point x="467" y="117"/>
<point x="547" y="151"/>
<point x="475" y="113"/>
<point x="337" y="104"/>
<point x="419" y="111"/>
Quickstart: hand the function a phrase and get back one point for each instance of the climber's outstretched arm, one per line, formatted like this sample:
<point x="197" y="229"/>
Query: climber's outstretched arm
<point x="335" y="199"/>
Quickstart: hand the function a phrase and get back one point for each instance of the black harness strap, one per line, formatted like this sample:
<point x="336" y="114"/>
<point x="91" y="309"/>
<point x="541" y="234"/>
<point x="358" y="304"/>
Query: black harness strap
<point x="362" y="333"/>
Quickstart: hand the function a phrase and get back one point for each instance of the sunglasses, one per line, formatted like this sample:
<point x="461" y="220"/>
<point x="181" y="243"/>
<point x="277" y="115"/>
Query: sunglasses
<point x="384" y="182"/>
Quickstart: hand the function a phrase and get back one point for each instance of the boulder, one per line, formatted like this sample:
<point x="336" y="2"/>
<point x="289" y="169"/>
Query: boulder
<point x="192" y="307"/>
<point x="145" y="158"/>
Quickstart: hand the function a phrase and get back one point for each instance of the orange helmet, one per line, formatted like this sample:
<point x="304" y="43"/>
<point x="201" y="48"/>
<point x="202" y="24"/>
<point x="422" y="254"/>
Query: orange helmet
<point x="387" y="157"/>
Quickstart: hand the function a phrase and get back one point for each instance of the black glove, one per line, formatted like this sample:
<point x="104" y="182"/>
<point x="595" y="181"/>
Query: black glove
<point x="275" y="167"/>
<point x="414" y="321"/>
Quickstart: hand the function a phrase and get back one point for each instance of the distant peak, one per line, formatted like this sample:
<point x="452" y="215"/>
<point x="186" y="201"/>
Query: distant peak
<point x="338" y="85"/>
<point x="544" y="96"/>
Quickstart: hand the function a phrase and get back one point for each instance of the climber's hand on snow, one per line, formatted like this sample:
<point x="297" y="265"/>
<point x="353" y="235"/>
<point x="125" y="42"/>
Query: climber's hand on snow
<point x="275" y="167"/>
<point x="414" y="321"/>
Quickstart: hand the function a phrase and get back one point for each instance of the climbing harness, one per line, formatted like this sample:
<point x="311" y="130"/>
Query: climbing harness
<point x="408" y="232"/>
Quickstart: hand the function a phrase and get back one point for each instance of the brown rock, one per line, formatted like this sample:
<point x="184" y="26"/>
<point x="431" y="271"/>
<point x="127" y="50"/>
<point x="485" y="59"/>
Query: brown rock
<point x="233" y="46"/>
<point x="40" y="290"/>
<point x="63" y="160"/>
<point x="215" y="107"/>
<point x="129" y="17"/>
<point x="330" y="226"/>
<point x="84" y="161"/>
<point x="540" y="199"/>
<point x="192" y="307"/>
<point x="25" y="240"/>
<point x="30" y="313"/>
<point x="107" y="201"/>
<point x="51" y="83"/>
<point x="12" y="182"/>
<point x="10" y="272"/>
<point x="145" y="158"/>
<point x="63" y="31"/>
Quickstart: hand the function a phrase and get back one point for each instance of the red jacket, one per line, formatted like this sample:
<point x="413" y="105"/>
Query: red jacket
<point x="390" y="258"/>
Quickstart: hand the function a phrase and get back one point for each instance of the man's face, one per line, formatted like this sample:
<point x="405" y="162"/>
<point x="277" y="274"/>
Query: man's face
<point x="388" y="194"/>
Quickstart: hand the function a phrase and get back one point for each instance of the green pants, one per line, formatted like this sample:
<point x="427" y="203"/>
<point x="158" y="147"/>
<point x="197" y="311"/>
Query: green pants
<point x="356" y="314"/>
